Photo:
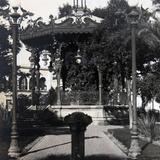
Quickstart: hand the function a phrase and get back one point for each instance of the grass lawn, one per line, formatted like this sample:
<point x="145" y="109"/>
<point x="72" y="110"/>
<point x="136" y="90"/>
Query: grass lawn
<point x="149" y="151"/>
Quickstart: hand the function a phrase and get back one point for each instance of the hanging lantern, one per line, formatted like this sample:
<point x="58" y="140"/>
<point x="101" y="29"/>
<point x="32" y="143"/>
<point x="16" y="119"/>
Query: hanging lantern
<point x="45" y="57"/>
<point x="78" y="57"/>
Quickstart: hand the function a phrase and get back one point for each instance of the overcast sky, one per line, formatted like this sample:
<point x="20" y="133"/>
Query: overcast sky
<point x="43" y="8"/>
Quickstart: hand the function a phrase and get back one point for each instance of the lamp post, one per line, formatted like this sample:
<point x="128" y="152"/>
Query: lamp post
<point x="14" y="150"/>
<point x="134" y="150"/>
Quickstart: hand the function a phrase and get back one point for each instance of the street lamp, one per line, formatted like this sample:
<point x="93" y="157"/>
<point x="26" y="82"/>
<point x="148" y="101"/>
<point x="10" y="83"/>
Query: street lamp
<point x="134" y="150"/>
<point x="78" y="57"/>
<point x="14" y="150"/>
<point x="45" y="57"/>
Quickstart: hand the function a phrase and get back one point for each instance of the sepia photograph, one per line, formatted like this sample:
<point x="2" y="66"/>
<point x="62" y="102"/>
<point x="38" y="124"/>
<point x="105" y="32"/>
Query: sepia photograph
<point x="79" y="79"/>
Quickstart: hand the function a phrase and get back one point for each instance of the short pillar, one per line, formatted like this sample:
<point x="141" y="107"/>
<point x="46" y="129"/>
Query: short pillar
<point x="78" y="122"/>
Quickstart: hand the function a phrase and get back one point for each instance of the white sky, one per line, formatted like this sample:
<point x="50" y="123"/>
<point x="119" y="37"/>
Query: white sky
<point x="43" y="8"/>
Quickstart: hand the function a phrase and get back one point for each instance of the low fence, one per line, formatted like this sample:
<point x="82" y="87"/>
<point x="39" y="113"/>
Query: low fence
<point x="117" y="114"/>
<point x="92" y="98"/>
<point x="79" y="98"/>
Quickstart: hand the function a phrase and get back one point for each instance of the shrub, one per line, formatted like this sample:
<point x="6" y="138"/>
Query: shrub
<point x="146" y="124"/>
<point x="49" y="117"/>
<point x="52" y="97"/>
<point x="23" y="102"/>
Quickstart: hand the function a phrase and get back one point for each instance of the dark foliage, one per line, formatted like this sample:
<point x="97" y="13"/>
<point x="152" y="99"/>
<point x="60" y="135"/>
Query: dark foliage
<point x="111" y="44"/>
<point x="5" y="58"/>
<point x="49" y="118"/>
<point x="23" y="101"/>
<point x="109" y="47"/>
<point x="51" y="97"/>
<point x="65" y="10"/>
<point x="3" y="3"/>
<point x="156" y="1"/>
<point x="100" y="12"/>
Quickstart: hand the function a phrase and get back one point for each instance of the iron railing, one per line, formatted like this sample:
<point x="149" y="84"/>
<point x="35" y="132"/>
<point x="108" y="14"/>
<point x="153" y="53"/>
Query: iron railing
<point x="92" y="98"/>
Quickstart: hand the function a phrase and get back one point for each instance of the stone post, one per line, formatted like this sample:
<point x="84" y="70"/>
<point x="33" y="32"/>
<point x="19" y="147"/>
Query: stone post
<point x="58" y="67"/>
<point x="78" y="122"/>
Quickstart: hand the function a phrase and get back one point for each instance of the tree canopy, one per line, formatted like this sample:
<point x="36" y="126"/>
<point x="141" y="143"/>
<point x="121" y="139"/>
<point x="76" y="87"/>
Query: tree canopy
<point x="5" y="46"/>
<point x="110" y="48"/>
<point x="112" y="42"/>
<point x="65" y="10"/>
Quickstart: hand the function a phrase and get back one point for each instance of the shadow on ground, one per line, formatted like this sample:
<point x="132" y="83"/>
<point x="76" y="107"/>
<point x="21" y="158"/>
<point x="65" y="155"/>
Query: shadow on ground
<point x="56" y="130"/>
<point x="67" y="157"/>
<point x="54" y="146"/>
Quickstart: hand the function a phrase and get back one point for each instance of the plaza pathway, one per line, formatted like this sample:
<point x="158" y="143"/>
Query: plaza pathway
<point x="96" y="144"/>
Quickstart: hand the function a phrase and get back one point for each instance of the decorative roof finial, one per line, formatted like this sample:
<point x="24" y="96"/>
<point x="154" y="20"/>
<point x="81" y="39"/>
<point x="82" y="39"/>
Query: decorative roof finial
<point x="85" y="3"/>
<point x="77" y="4"/>
<point x="81" y="3"/>
<point x="74" y="3"/>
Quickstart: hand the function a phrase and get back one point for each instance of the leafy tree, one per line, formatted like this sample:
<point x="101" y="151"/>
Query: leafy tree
<point x="112" y="42"/>
<point x="4" y="7"/>
<point x="146" y="86"/>
<point x="5" y="46"/>
<point x="149" y="81"/>
<point x="52" y="97"/>
<point x="65" y="10"/>
<point x="99" y="12"/>
<point x="156" y="1"/>
<point x="110" y="48"/>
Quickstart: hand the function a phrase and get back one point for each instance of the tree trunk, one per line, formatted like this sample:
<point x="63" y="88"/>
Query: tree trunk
<point x="144" y="102"/>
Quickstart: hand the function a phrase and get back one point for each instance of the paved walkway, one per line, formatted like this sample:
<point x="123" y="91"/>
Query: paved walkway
<point x="96" y="143"/>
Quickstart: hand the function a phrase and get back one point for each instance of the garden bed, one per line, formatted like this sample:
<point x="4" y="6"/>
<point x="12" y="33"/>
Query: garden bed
<point x="150" y="151"/>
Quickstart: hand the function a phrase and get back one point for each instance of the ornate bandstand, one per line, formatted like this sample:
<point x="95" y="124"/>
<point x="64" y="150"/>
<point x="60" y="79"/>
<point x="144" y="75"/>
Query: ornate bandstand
<point x="52" y="42"/>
